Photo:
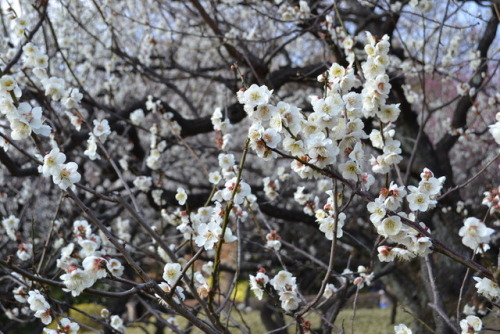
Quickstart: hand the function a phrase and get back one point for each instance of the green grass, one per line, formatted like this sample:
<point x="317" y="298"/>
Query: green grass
<point x="366" y="320"/>
<point x="373" y="321"/>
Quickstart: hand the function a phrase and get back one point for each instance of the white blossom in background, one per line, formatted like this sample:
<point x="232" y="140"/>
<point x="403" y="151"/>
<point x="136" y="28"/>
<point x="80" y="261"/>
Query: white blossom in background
<point x="181" y="196"/>
<point x="137" y="116"/>
<point x="101" y="129"/>
<point x="117" y="323"/>
<point x="71" y="98"/>
<point x="271" y="188"/>
<point x="54" y="87"/>
<point x="143" y="183"/>
<point x="402" y="329"/>
<point x="495" y="129"/>
<point x="330" y="290"/>
<point x="153" y="161"/>
<point x="91" y="150"/>
<point x="11" y="225"/>
<point x="273" y="240"/>
<point x="64" y="326"/>
<point x="471" y="325"/>
<point x="24" y="251"/>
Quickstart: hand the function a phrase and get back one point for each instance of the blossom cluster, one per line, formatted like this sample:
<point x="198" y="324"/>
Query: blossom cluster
<point x="63" y="174"/>
<point x="390" y="224"/>
<point x="283" y="283"/>
<point x="95" y="263"/>
<point x="492" y="200"/>
<point x="22" y="117"/>
<point x="205" y="225"/>
<point x="39" y="307"/>
<point x="172" y="275"/>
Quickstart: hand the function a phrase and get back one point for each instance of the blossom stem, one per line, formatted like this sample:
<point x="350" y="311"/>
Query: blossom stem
<point x="229" y="207"/>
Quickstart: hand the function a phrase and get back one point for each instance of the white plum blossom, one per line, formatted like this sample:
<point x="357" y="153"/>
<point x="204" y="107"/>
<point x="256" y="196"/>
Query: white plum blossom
<point x="153" y="161"/>
<point x="91" y="150"/>
<point x="258" y="283"/>
<point x="64" y="326"/>
<point x="20" y="294"/>
<point x="37" y="301"/>
<point x="495" y="129"/>
<point x="327" y="225"/>
<point x="54" y="87"/>
<point x="117" y="323"/>
<point x="471" y="325"/>
<point x="240" y="190"/>
<point x="273" y="240"/>
<point x="181" y="196"/>
<point x="254" y="95"/>
<point x="214" y="177"/>
<point x="76" y="280"/>
<point x="72" y="98"/>
<point x="171" y="273"/>
<point x="474" y="233"/>
<point x="115" y="267"/>
<point x="208" y="235"/>
<point x="11" y="225"/>
<point x="52" y="162"/>
<point x="402" y="329"/>
<point x="7" y="83"/>
<point x="390" y="226"/>
<point x="137" y="116"/>
<point x="284" y="284"/>
<point x="24" y="251"/>
<point x="101" y="129"/>
<point x="67" y="175"/>
<point x="143" y="183"/>
<point x="487" y="288"/>
<point x="377" y="210"/>
<point x="226" y="160"/>
<point x="28" y="119"/>
<point x="95" y="267"/>
<point x="283" y="280"/>
<point x="417" y="200"/>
